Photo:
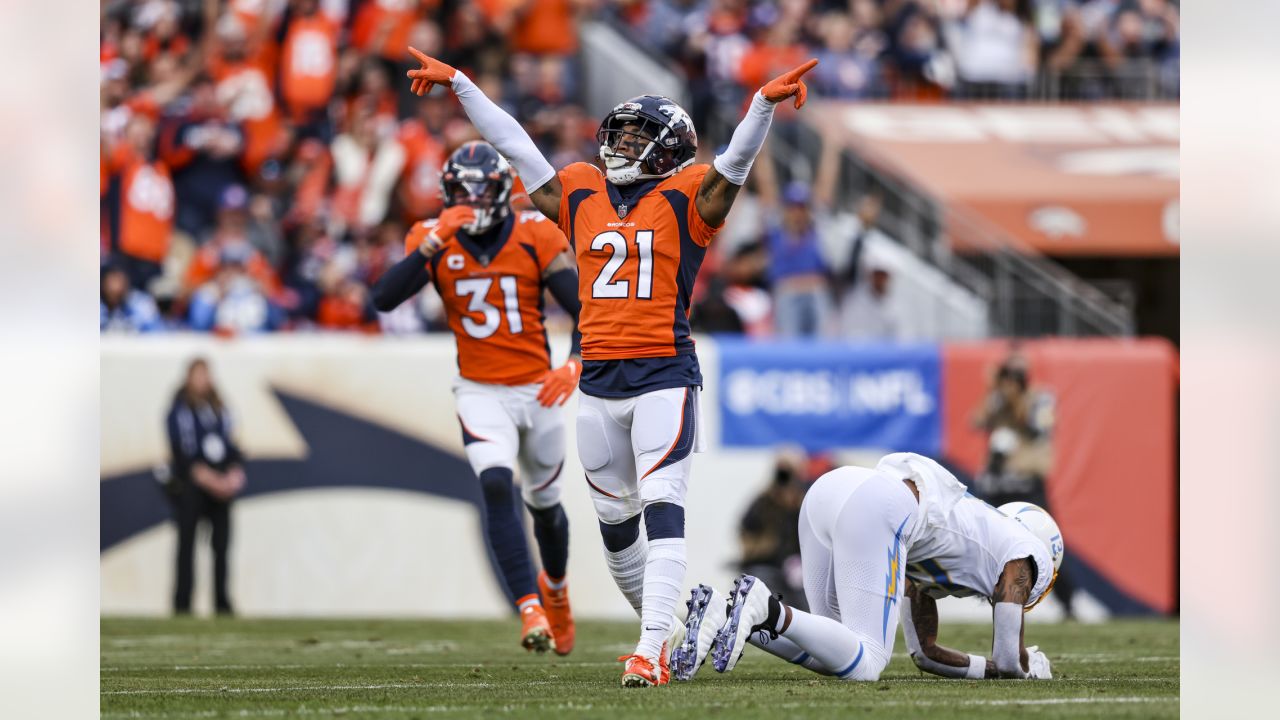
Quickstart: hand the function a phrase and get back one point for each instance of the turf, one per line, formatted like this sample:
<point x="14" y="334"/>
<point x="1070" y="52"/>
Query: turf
<point x="195" y="668"/>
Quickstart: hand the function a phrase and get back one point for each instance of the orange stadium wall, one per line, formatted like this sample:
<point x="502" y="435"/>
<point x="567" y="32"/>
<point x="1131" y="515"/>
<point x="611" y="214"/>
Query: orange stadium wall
<point x="1113" y="488"/>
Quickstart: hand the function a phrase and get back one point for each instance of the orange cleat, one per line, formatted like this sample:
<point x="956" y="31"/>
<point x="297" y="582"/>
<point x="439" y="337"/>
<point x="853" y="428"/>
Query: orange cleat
<point x="536" y="635"/>
<point x="640" y="672"/>
<point x="556" y="604"/>
<point x="664" y="665"/>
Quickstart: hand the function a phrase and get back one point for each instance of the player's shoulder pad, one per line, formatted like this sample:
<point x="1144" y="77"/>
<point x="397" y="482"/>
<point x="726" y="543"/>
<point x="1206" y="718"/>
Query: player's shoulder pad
<point x="581" y="172"/>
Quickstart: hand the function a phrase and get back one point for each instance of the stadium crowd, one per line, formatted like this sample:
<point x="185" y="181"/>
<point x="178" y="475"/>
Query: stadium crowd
<point x="261" y="160"/>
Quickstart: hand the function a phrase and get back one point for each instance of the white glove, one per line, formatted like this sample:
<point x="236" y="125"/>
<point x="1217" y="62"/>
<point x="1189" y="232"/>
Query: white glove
<point x="1038" y="663"/>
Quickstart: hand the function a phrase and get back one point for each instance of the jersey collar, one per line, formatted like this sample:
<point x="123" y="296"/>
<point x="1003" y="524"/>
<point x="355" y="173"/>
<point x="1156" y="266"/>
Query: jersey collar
<point x="484" y="254"/>
<point x="624" y="199"/>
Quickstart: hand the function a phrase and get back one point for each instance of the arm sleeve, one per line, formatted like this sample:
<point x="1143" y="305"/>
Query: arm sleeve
<point x="736" y="160"/>
<point x="401" y="282"/>
<point x="1006" y="646"/>
<point x="504" y="133"/>
<point x="564" y="288"/>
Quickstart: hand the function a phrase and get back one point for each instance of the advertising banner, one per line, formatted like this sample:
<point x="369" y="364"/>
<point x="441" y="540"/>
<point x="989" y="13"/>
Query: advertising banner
<point x="830" y="395"/>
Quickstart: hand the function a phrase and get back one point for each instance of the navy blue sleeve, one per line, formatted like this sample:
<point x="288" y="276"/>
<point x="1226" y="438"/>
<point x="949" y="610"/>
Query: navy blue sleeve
<point x="401" y="282"/>
<point x="179" y="461"/>
<point x="563" y="285"/>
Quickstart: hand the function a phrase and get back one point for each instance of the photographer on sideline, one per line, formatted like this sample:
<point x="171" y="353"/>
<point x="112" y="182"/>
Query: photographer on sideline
<point x="1019" y="421"/>
<point x="207" y="472"/>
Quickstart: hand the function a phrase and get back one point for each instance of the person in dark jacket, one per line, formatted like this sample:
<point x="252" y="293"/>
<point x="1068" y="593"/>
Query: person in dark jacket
<point x="208" y="471"/>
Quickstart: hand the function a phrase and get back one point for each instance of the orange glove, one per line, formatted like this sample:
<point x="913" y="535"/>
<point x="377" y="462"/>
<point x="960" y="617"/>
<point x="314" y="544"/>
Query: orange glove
<point x="432" y="72"/>
<point x="558" y="385"/>
<point x="788" y="84"/>
<point x="447" y="225"/>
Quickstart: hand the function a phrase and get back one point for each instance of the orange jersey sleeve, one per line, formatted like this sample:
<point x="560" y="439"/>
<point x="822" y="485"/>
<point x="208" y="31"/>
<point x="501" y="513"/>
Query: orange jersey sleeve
<point x="637" y="261"/>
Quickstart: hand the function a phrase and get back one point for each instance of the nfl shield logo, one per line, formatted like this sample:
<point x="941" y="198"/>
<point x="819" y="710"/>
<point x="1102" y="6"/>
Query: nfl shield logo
<point x="622" y="211"/>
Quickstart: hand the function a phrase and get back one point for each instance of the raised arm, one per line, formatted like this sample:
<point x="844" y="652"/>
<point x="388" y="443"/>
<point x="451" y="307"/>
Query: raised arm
<point x="729" y="170"/>
<point x="500" y="129"/>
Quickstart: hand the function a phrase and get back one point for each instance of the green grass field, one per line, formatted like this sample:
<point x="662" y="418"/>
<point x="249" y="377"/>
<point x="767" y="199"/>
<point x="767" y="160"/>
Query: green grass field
<point x="418" y="669"/>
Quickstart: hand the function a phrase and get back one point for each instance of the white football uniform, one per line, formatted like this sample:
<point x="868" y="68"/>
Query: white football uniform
<point x="965" y="556"/>
<point x="503" y="425"/>
<point x="638" y="450"/>
<point x="862" y="530"/>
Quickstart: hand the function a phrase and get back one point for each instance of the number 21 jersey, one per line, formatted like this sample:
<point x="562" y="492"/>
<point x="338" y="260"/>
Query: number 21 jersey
<point x="638" y="251"/>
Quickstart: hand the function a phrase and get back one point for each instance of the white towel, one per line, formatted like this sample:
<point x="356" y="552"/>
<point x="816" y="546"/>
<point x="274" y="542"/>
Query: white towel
<point x="939" y="489"/>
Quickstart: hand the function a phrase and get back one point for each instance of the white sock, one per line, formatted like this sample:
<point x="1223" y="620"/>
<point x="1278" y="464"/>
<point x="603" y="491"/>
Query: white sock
<point x="833" y="645"/>
<point x="663" y="579"/>
<point x="627" y="567"/>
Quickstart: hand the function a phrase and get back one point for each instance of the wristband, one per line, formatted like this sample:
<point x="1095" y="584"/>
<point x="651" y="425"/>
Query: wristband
<point x="977" y="667"/>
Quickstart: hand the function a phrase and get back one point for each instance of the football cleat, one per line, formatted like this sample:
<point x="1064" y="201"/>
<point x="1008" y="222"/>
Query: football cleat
<point x="536" y="635"/>
<point x="640" y="671"/>
<point x="706" y="616"/>
<point x="748" y="607"/>
<point x="556" y="605"/>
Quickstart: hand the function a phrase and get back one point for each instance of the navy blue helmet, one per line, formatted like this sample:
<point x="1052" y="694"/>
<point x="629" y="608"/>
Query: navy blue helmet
<point x="646" y="137"/>
<point x="475" y="175"/>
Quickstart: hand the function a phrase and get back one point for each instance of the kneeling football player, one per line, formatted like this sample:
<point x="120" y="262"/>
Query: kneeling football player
<point x="876" y="542"/>
<point x="491" y="267"/>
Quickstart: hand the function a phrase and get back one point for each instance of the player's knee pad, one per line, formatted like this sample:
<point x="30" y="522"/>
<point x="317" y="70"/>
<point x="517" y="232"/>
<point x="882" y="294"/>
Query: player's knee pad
<point x="543" y="494"/>
<point x="497" y="485"/>
<point x="665" y="487"/>
<point x="548" y="446"/>
<point x="593" y="444"/>
<point x="663" y="520"/>
<point x="620" y="536"/>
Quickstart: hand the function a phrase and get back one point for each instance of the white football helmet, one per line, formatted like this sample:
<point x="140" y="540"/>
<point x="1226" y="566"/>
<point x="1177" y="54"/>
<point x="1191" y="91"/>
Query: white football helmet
<point x="1041" y="524"/>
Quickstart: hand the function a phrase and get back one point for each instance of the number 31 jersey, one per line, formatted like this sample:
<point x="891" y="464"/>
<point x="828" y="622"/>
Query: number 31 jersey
<point x="637" y="261"/>
<point x="493" y="296"/>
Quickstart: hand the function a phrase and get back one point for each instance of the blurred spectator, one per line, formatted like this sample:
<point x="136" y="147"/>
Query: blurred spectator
<point x="207" y="472"/>
<point x="123" y="308"/>
<point x="848" y="63"/>
<point x="367" y="162"/>
<point x="770" y="529"/>
<point x="308" y="67"/>
<point x="203" y="148"/>
<point x="1019" y="421"/>
<point x="867" y="309"/>
<point x="996" y="48"/>
<point x="233" y="301"/>
<point x="735" y="300"/>
<point x="140" y="202"/>
<point x="797" y="272"/>
<point x="229" y="241"/>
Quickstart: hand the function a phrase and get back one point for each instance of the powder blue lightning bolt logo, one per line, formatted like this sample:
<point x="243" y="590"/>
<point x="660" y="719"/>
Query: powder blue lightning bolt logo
<point x="891" y="578"/>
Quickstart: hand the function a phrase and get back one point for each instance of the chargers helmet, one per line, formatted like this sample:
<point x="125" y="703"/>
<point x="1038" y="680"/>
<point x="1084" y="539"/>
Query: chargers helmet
<point x="477" y="176"/>
<point x="1041" y="524"/>
<point x="645" y="138"/>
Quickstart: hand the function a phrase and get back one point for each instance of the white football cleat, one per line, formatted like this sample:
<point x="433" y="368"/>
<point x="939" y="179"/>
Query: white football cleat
<point x="707" y="615"/>
<point x="748" y="607"/>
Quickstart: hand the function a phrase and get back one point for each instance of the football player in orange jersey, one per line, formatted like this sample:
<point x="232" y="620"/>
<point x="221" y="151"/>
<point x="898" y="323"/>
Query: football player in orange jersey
<point x="491" y="266"/>
<point x="639" y="229"/>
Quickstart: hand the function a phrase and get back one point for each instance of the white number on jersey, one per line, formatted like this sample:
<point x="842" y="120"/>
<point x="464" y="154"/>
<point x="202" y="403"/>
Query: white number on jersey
<point x="476" y="290"/>
<point x="605" y="286"/>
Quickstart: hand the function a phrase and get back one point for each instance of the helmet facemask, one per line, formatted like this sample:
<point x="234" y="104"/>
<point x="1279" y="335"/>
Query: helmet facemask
<point x="487" y="195"/>
<point x="631" y="148"/>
